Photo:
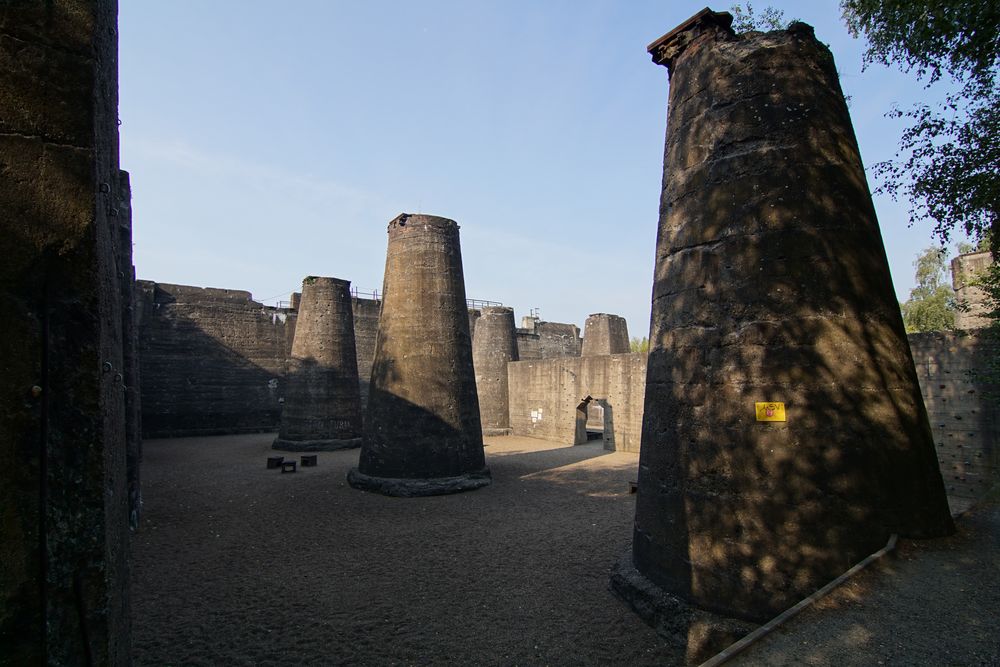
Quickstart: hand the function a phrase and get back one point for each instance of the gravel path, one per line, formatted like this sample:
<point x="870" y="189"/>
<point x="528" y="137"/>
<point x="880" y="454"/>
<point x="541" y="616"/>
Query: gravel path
<point x="239" y="565"/>
<point x="934" y="602"/>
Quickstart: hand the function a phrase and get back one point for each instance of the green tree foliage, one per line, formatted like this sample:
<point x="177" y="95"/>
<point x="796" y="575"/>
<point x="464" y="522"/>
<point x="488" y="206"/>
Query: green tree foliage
<point x="745" y="19"/>
<point x="931" y="306"/>
<point x="639" y="344"/>
<point x="948" y="162"/>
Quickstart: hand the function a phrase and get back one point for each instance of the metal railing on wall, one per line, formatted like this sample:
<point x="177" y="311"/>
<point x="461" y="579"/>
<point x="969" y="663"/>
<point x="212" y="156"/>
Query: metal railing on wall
<point x="375" y="295"/>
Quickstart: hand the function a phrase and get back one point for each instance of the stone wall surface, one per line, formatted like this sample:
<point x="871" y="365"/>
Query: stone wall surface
<point x="212" y="360"/>
<point x="63" y="480"/>
<point x="545" y="395"/>
<point x="964" y="410"/>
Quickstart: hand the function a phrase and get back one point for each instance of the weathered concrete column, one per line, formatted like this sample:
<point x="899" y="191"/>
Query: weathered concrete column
<point x="493" y="345"/>
<point x="130" y="358"/>
<point x="64" y="501"/>
<point x="604" y="334"/>
<point x="322" y="410"/>
<point x="784" y="437"/>
<point x="422" y="433"/>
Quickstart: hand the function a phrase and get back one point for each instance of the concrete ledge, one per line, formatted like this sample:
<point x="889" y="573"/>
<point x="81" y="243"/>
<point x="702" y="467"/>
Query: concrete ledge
<point x="490" y="432"/>
<point x="409" y="488"/>
<point x="695" y="634"/>
<point x="315" y="445"/>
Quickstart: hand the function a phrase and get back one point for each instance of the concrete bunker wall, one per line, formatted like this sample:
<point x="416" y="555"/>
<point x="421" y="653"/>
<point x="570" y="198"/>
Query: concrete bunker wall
<point x="963" y="410"/>
<point x="545" y="393"/>
<point x="212" y="360"/>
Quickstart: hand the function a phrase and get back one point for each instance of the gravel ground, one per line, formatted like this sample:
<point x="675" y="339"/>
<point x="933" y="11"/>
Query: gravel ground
<point x="239" y="565"/>
<point x="934" y="602"/>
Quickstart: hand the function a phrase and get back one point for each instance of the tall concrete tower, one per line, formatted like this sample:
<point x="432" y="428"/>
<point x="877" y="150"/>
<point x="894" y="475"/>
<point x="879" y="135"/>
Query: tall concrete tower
<point x="784" y="436"/>
<point x="322" y="410"/>
<point x="423" y="433"/>
<point x="604" y="334"/>
<point x="494" y="344"/>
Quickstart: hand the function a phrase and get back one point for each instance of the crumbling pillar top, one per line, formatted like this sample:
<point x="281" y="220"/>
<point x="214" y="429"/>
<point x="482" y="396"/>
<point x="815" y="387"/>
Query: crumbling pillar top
<point x="666" y="49"/>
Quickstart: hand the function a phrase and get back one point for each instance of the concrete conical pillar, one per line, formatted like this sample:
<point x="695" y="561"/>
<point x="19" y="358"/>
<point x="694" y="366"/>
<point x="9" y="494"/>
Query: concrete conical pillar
<point x="322" y="408"/>
<point x="422" y="433"/>
<point x="494" y="344"/>
<point x="784" y="436"/>
<point x="604" y="334"/>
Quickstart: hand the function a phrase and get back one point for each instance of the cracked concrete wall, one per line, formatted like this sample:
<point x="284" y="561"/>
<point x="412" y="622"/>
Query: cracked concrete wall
<point x="64" y="501"/>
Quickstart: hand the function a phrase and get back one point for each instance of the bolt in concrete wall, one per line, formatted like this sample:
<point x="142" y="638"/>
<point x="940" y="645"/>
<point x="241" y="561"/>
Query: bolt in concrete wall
<point x="493" y="346"/>
<point x="423" y="434"/>
<point x="771" y="284"/>
<point x="64" y="501"/>
<point x="322" y="410"/>
<point x="604" y="334"/>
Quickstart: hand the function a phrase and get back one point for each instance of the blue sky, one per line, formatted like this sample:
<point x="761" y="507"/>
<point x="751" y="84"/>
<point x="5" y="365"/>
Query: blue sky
<point x="270" y="141"/>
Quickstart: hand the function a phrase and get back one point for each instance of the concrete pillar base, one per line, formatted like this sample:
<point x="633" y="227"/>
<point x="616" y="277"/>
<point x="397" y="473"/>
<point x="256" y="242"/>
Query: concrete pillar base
<point x="331" y="445"/>
<point x="409" y="488"/>
<point x="696" y="634"/>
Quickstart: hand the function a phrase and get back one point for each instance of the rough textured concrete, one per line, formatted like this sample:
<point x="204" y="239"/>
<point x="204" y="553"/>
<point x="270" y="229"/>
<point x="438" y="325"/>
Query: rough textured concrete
<point x="63" y="490"/>
<point x="322" y="409"/>
<point x="212" y="360"/>
<point x="493" y="346"/>
<point x="547" y="340"/>
<point x="423" y="411"/>
<point x="771" y="284"/>
<point x="963" y="410"/>
<point x="365" y="332"/>
<point x="545" y="395"/>
<point x="965" y="269"/>
<point x="130" y="342"/>
<point x="604" y="334"/>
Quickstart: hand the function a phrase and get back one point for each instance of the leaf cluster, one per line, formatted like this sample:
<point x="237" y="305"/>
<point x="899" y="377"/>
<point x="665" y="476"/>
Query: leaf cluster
<point x="948" y="161"/>
<point x="745" y="19"/>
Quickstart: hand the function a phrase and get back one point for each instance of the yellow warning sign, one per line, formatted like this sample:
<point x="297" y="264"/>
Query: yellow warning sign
<point x="770" y="412"/>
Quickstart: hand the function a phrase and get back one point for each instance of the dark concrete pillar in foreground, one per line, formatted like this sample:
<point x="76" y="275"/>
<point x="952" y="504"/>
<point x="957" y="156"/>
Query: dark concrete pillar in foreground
<point x="604" y="334"/>
<point x="63" y="494"/>
<point x="130" y="355"/>
<point x="422" y="433"/>
<point x="322" y="410"/>
<point x="771" y="287"/>
<point x="494" y="344"/>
